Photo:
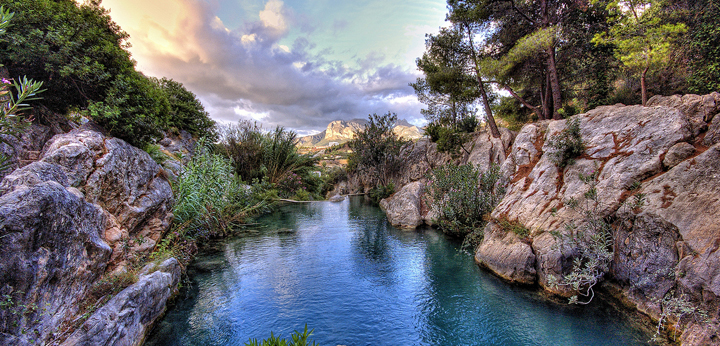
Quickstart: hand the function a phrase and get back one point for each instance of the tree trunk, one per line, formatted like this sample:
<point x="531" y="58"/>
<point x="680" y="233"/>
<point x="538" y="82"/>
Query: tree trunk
<point x="546" y="98"/>
<point x="643" y="86"/>
<point x="554" y="83"/>
<point x="486" y="104"/>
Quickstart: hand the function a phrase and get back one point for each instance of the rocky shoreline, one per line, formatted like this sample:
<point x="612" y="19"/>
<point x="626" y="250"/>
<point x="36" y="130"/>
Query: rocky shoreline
<point x="668" y="153"/>
<point x="86" y="207"/>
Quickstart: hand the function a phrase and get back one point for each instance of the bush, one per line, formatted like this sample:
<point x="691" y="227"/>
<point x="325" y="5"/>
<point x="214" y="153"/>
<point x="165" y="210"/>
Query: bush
<point x="135" y="110"/>
<point x="462" y="196"/>
<point x="567" y="145"/>
<point x="186" y="111"/>
<point x="590" y="241"/>
<point x="376" y="149"/>
<point x="76" y="49"/>
<point x="297" y="339"/>
<point x="451" y="139"/>
<point x="380" y="192"/>
<point x="210" y="199"/>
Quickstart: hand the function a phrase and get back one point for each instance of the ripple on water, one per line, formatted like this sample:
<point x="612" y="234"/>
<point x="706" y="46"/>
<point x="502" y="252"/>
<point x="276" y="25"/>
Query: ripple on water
<point x="343" y="270"/>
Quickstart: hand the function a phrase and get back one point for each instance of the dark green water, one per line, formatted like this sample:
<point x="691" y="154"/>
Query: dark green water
<point x="343" y="270"/>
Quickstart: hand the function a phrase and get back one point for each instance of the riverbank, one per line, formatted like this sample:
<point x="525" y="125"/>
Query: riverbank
<point x="655" y="173"/>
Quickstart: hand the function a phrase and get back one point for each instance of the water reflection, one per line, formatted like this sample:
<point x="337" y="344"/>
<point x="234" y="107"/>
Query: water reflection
<point x="358" y="281"/>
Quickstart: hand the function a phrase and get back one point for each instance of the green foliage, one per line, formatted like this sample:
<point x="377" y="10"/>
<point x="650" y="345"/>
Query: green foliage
<point x="705" y="48"/>
<point x="296" y="339"/>
<point x="590" y="243"/>
<point x="462" y="196"/>
<point x="643" y="40"/>
<point x="680" y="309"/>
<point x="76" y="49"/>
<point x="156" y="153"/>
<point x="376" y="149"/>
<point x="209" y="199"/>
<point x="567" y="145"/>
<point x="380" y="192"/>
<point x="272" y="158"/>
<point x="515" y="227"/>
<point x="447" y="88"/>
<point x="186" y="111"/>
<point x="510" y="110"/>
<point x="135" y="110"/>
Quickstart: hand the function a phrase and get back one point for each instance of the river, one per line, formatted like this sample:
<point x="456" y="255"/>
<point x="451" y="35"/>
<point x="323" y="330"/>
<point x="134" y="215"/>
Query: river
<point x="343" y="270"/>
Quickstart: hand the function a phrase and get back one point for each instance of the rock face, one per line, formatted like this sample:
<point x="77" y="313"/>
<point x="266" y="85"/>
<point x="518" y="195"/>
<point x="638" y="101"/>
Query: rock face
<point x="125" y="319"/>
<point x="667" y="244"/>
<point x="341" y="131"/>
<point x="403" y="207"/>
<point x="25" y="148"/>
<point x="53" y="253"/>
<point x="62" y="222"/>
<point x="122" y="179"/>
<point x="506" y="255"/>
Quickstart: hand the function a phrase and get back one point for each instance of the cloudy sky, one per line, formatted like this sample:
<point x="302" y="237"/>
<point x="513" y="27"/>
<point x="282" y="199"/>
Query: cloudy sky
<point x="296" y="63"/>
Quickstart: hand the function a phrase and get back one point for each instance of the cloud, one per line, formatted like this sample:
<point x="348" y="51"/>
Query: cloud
<point x="246" y="73"/>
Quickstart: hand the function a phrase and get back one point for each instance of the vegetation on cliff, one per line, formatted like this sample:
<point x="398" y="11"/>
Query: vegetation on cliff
<point x="80" y="54"/>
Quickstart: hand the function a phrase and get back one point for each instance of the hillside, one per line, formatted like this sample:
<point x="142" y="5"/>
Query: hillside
<point x="341" y="131"/>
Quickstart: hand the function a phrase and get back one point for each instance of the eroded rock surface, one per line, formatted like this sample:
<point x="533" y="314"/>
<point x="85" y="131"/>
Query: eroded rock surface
<point x="507" y="255"/>
<point x="125" y="319"/>
<point x="403" y="207"/>
<point x="122" y="179"/>
<point x="52" y="253"/>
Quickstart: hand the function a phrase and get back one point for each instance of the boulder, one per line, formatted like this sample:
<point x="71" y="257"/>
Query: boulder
<point x="420" y="157"/>
<point x="127" y="317"/>
<point x="507" y="255"/>
<point x="700" y="109"/>
<point x="52" y="253"/>
<point x="122" y="179"/>
<point x="403" y="207"/>
<point x="33" y="174"/>
<point x="337" y="198"/>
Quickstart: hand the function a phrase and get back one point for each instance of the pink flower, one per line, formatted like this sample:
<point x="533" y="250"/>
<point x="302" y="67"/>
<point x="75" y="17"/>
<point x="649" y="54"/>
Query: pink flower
<point x="5" y="81"/>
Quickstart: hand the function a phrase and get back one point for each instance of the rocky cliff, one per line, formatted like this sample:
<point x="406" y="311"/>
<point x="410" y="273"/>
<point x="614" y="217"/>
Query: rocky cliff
<point x="87" y="206"/>
<point x="668" y="156"/>
<point x="341" y="131"/>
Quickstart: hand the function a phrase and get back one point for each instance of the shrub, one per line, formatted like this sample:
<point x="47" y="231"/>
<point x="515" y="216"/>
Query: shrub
<point x="450" y="139"/>
<point x="186" y="111"/>
<point x="296" y="339"/>
<point x="462" y="196"/>
<point x="77" y="49"/>
<point x="210" y="199"/>
<point x="135" y="110"/>
<point x="590" y="241"/>
<point x="377" y="149"/>
<point x="380" y="192"/>
<point x="567" y="145"/>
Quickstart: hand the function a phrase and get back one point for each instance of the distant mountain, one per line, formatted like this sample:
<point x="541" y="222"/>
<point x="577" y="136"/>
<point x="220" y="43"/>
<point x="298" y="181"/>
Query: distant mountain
<point x="341" y="131"/>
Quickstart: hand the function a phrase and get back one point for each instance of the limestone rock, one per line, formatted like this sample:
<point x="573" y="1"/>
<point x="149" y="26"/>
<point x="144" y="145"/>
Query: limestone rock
<point x="403" y="207"/>
<point x="488" y="150"/>
<point x="700" y="109"/>
<point x="337" y="198"/>
<point x="126" y="318"/>
<point x="506" y="255"/>
<point x="122" y="179"/>
<point x="420" y="157"/>
<point x="624" y="144"/>
<point x="52" y="253"/>
<point x="33" y="174"/>
<point x="677" y="153"/>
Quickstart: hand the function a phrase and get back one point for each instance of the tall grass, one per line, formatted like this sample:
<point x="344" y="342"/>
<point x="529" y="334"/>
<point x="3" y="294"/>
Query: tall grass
<point x="210" y="198"/>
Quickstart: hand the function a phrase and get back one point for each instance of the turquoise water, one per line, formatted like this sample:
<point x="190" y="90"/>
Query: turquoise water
<point x="343" y="270"/>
